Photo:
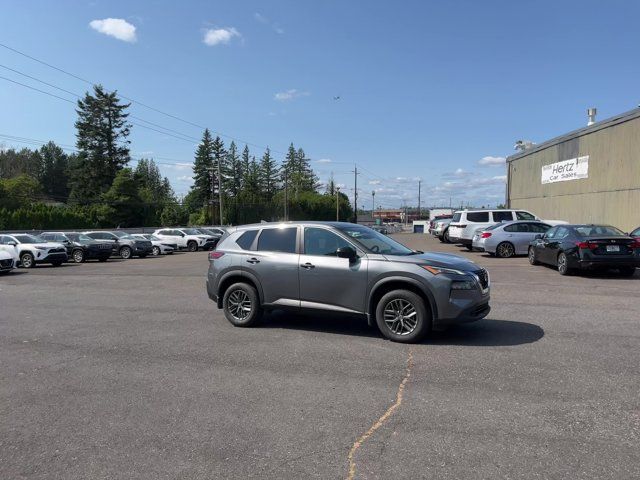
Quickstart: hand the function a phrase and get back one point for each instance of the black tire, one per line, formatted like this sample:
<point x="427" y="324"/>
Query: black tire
<point x="142" y="255"/>
<point x="627" y="271"/>
<point x="103" y="259"/>
<point x="445" y="236"/>
<point x="563" y="264"/>
<point x="533" y="260"/>
<point x="395" y="302"/>
<point x="505" y="250"/>
<point x="27" y="260"/>
<point x="125" y="252"/>
<point x="57" y="263"/>
<point x="469" y="247"/>
<point x="237" y="298"/>
<point x="155" y="250"/>
<point x="192" y="246"/>
<point x="78" y="255"/>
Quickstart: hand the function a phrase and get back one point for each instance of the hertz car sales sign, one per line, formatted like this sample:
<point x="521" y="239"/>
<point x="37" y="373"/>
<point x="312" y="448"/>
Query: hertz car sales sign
<point x="572" y="169"/>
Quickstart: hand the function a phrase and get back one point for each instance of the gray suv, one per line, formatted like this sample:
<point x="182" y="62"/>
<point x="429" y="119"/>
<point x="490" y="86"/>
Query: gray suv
<point x="343" y="268"/>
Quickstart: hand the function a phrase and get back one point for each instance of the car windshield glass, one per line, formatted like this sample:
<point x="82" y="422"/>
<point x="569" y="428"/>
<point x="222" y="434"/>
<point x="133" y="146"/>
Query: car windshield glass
<point x="456" y="217"/>
<point x="29" y="239"/>
<point x="598" y="230"/>
<point x="121" y="234"/>
<point x="152" y="237"/>
<point x="375" y="242"/>
<point x="78" y="237"/>
<point x="191" y="231"/>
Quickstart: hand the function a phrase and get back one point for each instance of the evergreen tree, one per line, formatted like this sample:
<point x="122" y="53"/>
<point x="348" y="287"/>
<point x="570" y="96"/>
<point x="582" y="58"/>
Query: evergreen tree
<point x="289" y="171"/>
<point x="53" y="173"/>
<point x="331" y="186"/>
<point x="123" y="206"/>
<point x="203" y="173"/>
<point x="268" y="175"/>
<point x="20" y="162"/>
<point x="308" y="181"/>
<point x="101" y="138"/>
<point x="234" y="173"/>
<point x="246" y="163"/>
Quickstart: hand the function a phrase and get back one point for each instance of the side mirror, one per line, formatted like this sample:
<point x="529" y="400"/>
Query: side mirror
<point x="182" y="235"/>
<point x="538" y="236"/>
<point x="13" y="244"/>
<point x="347" y="252"/>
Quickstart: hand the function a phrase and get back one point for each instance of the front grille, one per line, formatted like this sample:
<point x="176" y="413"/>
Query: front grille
<point x="57" y="250"/>
<point x="483" y="276"/>
<point x="6" y="263"/>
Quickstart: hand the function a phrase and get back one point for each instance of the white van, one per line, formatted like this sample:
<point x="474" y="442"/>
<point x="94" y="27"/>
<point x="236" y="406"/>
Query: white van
<point x="465" y="222"/>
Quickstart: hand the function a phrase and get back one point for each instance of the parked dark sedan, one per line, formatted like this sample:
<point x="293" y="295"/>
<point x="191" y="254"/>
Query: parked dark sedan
<point x="80" y="247"/>
<point x="584" y="247"/>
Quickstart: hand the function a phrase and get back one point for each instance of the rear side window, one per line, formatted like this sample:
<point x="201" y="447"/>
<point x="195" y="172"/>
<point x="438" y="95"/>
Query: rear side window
<point x="278" y="240"/>
<point x="512" y="228"/>
<point x="539" y="227"/>
<point x="524" y="216"/>
<point x="502" y="216"/>
<point x="478" y="217"/>
<point x="246" y="239"/>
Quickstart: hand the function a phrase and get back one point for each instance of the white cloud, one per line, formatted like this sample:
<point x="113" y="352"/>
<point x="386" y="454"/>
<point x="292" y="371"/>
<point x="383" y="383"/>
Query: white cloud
<point x="492" y="161"/>
<point x="291" y="94"/>
<point x="264" y="20"/>
<point x="261" y="18"/>
<point x="220" y="36"/>
<point x="116" y="28"/>
<point x="325" y="160"/>
<point x="500" y="178"/>
<point x="278" y="30"/>
<point x="185" y="178"/>
<point x="374" y="182"/>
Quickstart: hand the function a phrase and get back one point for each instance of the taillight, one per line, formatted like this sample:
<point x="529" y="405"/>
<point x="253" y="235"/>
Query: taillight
<point x="215" y="254"/>
<point x="636" y="243"/>
<point x="485" y="235"/>
<point x="586" y="245"/>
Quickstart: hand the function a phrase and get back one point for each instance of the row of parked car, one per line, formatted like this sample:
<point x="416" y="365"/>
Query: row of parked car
<point x="55" y="248"/>
<point x="507" y="233"/>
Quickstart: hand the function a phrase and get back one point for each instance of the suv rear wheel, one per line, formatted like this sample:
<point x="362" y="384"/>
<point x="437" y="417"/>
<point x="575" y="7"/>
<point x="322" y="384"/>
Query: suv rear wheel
<point x="125" y="252"/>
<point x="192" y="246"/>
<point x="241" y="305"/>
<point x="401" y="316"/>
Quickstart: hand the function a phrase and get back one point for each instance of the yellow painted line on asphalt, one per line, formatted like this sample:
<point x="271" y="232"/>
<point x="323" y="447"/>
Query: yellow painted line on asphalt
<point x="385" y="416"/>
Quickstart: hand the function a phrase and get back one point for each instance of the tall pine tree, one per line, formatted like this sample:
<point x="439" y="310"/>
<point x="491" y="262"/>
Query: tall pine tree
<point x="269" y="175"/>
<point x="101" y="138"/>
<point x="53" y="175"/>
<point x="233" y="177"/>
<point x="203" y="172"/>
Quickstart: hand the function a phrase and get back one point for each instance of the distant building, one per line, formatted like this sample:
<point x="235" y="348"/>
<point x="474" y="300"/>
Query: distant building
<point x="590" y="175"/>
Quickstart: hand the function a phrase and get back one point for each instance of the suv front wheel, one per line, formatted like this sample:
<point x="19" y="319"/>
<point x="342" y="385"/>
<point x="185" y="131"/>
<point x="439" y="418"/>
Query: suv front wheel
<point x="401" y="316"/>
<point x="242" y="305"/>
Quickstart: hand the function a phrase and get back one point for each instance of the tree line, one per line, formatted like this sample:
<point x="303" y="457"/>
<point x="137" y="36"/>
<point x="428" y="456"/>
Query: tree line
<point x="97" y="185"/>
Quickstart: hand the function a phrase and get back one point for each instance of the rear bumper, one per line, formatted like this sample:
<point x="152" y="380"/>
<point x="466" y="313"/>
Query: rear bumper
<point x="461" y="241"/>
<point x="591" y="263"/>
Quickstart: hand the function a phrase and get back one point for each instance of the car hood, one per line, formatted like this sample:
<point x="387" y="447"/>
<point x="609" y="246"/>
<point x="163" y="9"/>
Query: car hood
<point x="445" y="260"/>
<point x="44" y="244"/>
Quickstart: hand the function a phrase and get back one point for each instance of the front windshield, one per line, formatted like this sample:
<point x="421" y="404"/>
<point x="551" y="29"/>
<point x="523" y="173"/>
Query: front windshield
<point x="151" y="237"/>
<point x="79" y="237"/>
<point x="191" y="231"/>
<point x="375" y="242"/>
<point x="120" y="234"/>
<point x="29" y="239"/>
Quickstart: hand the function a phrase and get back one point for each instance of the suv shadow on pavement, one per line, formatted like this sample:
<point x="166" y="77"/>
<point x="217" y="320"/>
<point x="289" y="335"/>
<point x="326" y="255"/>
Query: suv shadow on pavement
<point x="483" y="333"/>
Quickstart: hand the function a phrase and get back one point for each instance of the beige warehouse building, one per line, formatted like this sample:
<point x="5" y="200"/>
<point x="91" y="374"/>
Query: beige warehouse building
<point x="591" y="175"/>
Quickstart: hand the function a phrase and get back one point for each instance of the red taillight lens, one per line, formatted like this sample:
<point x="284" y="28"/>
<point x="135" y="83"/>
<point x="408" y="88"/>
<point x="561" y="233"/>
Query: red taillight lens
<point x="214" y="255"/>
<point x="586" y="245"/>
<point x="636" y="243"/>
<point x="485" y="235"/>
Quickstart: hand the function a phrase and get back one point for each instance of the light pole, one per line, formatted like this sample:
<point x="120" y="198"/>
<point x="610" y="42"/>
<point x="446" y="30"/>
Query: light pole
<point x="338" y="204"/>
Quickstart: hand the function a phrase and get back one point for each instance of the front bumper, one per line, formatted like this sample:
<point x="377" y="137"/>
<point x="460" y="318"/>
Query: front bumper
<point x="7" y="265"/>
<point x="52" y="257"/>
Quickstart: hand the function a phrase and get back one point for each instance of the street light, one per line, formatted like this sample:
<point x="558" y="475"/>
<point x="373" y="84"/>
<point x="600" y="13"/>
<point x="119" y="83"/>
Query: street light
<point x="373" y="202"/>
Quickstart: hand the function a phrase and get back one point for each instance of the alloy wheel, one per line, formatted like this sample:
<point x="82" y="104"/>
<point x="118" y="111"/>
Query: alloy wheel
<point x="400" y="316"/>
<point x="562" y="264"/>
<point x="505" y="250"/>
<point x="239" y="305"/>
<point x="156" y="250"/>
<point x="27" y="260"/>
<point x="78" y="256"/>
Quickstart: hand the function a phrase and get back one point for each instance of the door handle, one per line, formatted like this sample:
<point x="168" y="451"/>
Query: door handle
<point x="253" y="260"/>
<point x="308" y="266"/>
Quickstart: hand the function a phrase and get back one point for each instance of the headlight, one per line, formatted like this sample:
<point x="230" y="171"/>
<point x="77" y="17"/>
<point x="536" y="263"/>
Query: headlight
<point x="439" y="270"/>
<point x="464" y="285"/>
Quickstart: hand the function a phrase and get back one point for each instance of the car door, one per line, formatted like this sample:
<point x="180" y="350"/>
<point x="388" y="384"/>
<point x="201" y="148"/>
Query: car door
<point x="327" y="281"/>
<point x="530" y="230"/>
<point x="553" y="245"/>
<point x="274" y="262"/>
<point x="543" y="245"/>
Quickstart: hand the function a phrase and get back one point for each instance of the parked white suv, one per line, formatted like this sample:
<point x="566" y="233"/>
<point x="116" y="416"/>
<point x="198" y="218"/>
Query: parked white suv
<point x="32" y="250"/>
<point x="465" y="222"/>
<point x="188" y="238"/>
<point x="8" y="260"/>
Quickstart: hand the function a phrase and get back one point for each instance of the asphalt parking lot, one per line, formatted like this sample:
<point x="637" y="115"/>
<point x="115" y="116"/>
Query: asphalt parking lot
<point x="127" y="370"/>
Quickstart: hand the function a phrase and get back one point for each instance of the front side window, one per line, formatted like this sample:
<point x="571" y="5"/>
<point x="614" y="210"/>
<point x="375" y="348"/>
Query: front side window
<point x="318" y="241"/>
<point x="478" y="217"/>
<point x="504" y="216"/>
<point x="551" y="233"/>
<point x="539" y="227"/>
<point x="278" y="240"/>
<point x="561" y="233"/>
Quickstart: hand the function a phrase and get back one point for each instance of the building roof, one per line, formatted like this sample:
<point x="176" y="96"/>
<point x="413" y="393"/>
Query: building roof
<point x="609" y="122"/>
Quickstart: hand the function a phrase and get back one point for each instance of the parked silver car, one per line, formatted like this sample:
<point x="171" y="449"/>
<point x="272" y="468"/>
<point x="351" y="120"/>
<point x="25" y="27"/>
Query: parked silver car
<point x="346" y="269"/>
<point x="508" y="238"/>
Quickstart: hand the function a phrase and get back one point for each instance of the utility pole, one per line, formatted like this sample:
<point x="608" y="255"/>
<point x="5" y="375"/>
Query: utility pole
<point x="355" y="194"/>
<point x="419" y="188"/>
<point x="213" y="188"/>
<point x="373" y="203"/>
<point x="220" y="188"/>
<point x="337" y="204"/>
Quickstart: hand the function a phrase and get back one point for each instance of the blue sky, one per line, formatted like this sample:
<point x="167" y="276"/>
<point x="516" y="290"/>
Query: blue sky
<point x="427" y="89"/>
